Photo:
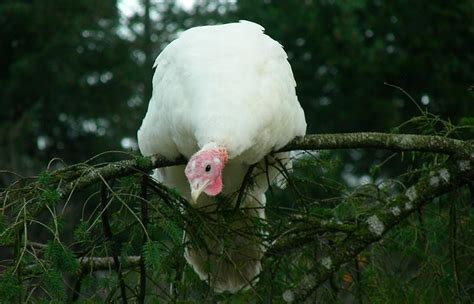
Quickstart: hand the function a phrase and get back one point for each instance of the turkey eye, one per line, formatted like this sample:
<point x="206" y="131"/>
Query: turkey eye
<point x="208" y="168"/>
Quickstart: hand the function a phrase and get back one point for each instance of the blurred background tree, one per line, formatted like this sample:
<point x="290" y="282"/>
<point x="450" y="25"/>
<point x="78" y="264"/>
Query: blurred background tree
<point x="75" y="76"/>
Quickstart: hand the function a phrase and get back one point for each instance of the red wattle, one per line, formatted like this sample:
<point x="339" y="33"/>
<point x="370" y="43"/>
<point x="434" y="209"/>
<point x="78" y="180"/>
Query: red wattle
<point x="215" y="187"/>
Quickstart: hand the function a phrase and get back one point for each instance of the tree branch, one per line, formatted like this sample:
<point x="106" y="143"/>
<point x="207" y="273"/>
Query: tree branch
<point x="115" y="246"/>
<point x="445" y="179"/>
<point x="144" y="218"/>
<point x="89" y="264"/>
<point x="394" y="142"/>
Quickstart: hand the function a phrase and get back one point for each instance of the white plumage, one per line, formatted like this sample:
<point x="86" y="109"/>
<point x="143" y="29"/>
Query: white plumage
<point x="231" y="86"/>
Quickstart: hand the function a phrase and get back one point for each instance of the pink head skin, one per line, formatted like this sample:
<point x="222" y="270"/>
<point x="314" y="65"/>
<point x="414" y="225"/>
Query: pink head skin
<point x="204" y="171"/>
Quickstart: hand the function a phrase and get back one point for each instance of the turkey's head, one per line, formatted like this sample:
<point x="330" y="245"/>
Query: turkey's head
<point x="204" y="171"/>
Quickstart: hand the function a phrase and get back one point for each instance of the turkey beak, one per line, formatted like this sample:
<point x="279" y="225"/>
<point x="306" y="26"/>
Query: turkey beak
<point x="197" y="189"/>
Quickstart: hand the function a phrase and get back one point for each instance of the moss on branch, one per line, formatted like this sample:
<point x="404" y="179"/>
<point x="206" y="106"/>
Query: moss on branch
<point x="387" y="141"/>
<point x="395" y="142"/>
<point x="89" y="264"/>
<point x="442" y="180"/>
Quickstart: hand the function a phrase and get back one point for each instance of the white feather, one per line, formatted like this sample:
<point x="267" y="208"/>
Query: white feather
<point x="229" y="85"/>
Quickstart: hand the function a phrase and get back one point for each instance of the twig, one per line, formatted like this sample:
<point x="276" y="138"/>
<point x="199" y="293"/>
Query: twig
<point x="114" y="246"/>
<point x="117" y="169"/>
<point x="243" y="186"/>
<point x="89" y="264"/>
<point x="419" y="213"/>
<point x="471" y="191"/>
<point x="144" y="218"/>
<point x="76" y="291"/>
<point x="18" y="257"/>
<point x="453" y="250"/>
<point x="406" y="94"/>
<point x="305" y="232"/>
<point x="334" y="287"/>
<point x="358" y="280"/>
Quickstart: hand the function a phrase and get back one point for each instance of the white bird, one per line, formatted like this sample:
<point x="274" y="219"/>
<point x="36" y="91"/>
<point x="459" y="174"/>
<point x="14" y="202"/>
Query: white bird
<point x="223" y="97"/>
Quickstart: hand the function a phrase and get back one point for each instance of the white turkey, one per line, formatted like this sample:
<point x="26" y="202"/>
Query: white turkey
<point x="224" y="98"/>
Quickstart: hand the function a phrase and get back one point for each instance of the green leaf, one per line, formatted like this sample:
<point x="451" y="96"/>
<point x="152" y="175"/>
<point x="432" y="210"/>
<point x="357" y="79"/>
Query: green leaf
<point x="49" y="197"/>
<point x="173" y="231"/>
<point x="62" y="259"/>
<point x="6" y="234"/>
<point x="375" y="169"/>
<point x="80" y="233"/>
<point x="467" y="121"/>
<point x="89" y="283"/>
<point x="395" y="130"/>
<point x="45" y="178"/>
<point x="151" y="253"/>
<point x="9" y="287"/>
<point x="142" y="161"/>
<point x="53" y="283"/>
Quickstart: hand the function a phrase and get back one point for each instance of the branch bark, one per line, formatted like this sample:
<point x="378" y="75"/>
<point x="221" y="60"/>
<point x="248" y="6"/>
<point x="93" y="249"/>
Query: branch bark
<point x="445" y="179"/>
<point x="89" y="264"/>
<point x="394" y="142"/>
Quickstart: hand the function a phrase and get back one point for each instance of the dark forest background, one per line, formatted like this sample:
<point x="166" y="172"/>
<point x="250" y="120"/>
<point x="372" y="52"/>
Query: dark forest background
<point x="75" y="80"/>
<point x="75" y="75"/>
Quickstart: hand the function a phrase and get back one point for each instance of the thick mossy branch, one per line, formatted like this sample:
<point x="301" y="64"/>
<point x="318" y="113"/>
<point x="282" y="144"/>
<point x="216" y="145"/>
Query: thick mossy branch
<point x="395" y="142"/>
<point x="443" y="180"/>
<point x="90" y="264"/>
<point x="92" y="175"/>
